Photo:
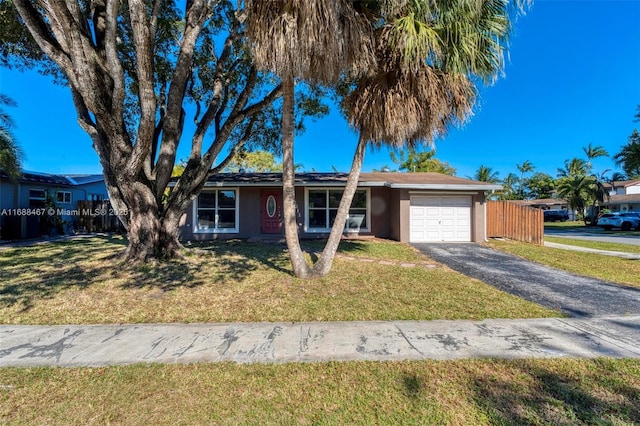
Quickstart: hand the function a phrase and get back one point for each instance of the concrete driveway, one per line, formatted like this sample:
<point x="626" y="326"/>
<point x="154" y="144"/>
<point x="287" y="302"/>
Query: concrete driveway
<point x="572" y="294"/>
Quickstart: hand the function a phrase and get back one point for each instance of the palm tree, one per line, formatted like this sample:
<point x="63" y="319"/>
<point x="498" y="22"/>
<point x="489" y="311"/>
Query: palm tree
<point x="573" y="167"/>
<point x="629" y="156"/>
<point x="486" y="174"/>
<point x="618" y="177"/>
<point x="598" y="193"/>
<point x="10" y="153"/>
<point x="315" y="40"/>
<point x="526" y="167"/>
<point x="399" y="97"/>
<point x="408" y="100"/>
<point x="593" y="152"/>
<point x="575" y="190"/>
<point x="509" y="184"/>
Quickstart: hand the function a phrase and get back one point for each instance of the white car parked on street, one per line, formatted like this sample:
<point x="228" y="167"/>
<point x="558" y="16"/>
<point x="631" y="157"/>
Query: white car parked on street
<point x="624" y="221"/>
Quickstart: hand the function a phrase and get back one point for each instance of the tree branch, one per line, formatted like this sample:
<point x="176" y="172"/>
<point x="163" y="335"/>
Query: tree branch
<point x="146" y="92"/>
<point x="234" y="151"/>
<point x="41" y="34"/>
<point x="196" y="15"/>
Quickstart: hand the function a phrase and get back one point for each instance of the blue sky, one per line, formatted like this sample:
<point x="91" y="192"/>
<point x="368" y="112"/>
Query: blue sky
<point x="572" y="77"/>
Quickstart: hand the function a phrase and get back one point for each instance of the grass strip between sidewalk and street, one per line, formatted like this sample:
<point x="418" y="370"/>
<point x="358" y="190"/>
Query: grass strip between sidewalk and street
<point x="464" y="392"/>
<point x="599" y="245"/>
<point x="80" y="281"/>
<point x="608" y="268"/>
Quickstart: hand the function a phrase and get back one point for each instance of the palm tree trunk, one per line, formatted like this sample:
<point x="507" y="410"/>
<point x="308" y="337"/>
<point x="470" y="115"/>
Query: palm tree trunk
<point x="323" y="265"/>
<point x="300" y="267"/>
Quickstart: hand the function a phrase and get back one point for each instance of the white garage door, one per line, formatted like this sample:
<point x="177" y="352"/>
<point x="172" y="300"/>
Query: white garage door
<point x="440" y="218"/>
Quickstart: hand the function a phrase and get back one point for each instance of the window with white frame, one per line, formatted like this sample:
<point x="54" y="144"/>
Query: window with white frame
<point x="322" y="208"/>
<point x="217" y="211"/>
<point x="63" y="197"/>
<point x="37" y="197"/>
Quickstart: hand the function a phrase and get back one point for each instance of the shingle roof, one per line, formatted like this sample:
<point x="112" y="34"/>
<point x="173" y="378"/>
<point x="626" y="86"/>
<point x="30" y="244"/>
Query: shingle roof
<point x="629" y="198"/>
<point x="57" y="180"/>
<point x="622" y="183"/>
<point x="393" y="180"/>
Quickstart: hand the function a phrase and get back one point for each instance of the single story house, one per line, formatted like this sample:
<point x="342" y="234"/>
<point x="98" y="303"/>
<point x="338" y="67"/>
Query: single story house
<point x="624" y="196"/>
<point x="408" y="207"/>
<point x="548" y="204"/>
<point x="18" y="199"/>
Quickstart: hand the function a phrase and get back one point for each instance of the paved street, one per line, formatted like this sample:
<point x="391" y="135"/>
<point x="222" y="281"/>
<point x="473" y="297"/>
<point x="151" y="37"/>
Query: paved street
<point x="595" y="234"/>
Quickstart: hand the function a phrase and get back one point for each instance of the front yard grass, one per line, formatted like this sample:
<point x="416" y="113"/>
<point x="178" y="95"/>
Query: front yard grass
<point x="465" y="392"/>
<point x="569" y="224"/>
<point x="608" y="268"/>
<point x="80" y="282"/>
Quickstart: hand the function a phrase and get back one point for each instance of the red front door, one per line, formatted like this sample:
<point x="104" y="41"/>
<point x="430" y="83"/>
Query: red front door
<point x="271" y="211"/>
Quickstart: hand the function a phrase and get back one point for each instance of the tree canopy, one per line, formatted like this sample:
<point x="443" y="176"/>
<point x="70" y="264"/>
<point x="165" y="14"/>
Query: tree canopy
<point x="10" y="152"/>
<point x="413" y="161"/>
<point x="629" y="156"/>
<point x="138" y="74"/>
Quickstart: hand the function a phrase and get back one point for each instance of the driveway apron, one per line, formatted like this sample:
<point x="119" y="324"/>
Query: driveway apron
<point x="574" y="295"/>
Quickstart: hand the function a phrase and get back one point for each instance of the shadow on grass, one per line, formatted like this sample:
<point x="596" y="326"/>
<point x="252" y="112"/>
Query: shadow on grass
<point x="34" y="273"/>
<point x="39" y="272"/>
<point x="412" y="386"/>
<point x="345" y="247"/>
<point x="601" y="395"/>
<point x="238" y="257"/>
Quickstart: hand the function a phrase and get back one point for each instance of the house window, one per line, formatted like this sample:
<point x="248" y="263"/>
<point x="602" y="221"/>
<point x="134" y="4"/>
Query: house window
<point x="63" y="197"/>
<point x="217" y="211"/>
<point x="37" y="197"/>
<point x="322" y="208"/>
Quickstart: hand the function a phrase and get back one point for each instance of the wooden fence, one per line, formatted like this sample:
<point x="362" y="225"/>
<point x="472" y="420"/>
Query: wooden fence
<point x="510" y="220"/>
<point x="97" y="216"/>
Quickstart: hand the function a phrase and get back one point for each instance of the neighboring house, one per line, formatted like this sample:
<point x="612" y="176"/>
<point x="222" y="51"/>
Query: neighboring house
<point x="408" y="207"/>
<point x="623" y="196"/>
<point x="548" y="204"/>
<point x="544" y="203"/>
<point x="19" y="198"/>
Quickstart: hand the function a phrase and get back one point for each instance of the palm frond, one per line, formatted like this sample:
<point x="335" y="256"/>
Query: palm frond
<point x="395" y="107"/>
<point x="316" y="40"/>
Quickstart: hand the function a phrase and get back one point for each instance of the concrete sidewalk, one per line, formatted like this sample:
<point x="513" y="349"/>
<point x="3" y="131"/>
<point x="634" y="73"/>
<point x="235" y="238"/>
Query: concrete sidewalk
<point x="99" y="345"/>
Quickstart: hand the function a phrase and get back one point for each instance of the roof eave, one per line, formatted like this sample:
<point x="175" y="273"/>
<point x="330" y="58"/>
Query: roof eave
<point x="445" y="186"/>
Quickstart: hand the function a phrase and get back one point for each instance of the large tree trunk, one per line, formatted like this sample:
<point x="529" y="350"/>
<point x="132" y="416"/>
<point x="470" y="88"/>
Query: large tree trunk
<point x="152" y="233"/>
<point x="300" y="267"/>
<point x="323" y="265"/>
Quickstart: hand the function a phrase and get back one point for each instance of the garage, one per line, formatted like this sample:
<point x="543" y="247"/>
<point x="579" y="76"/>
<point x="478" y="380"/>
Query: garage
<point x="440" y="218"/>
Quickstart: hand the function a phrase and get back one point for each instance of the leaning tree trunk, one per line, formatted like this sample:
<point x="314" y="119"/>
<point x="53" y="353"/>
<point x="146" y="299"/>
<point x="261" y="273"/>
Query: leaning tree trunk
<point x="323" y="265"/>
<point x="300" y="267"/>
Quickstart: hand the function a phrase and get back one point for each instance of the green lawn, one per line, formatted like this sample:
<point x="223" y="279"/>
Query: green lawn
<point x="81" y="281"/>
<point x="466" y="392"/>
<point x="609" y="268"/>
<point x="576" y="224"/>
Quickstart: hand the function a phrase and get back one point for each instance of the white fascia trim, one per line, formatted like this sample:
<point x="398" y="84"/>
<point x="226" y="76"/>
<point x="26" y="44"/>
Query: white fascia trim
<point x="444" y="187"/>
